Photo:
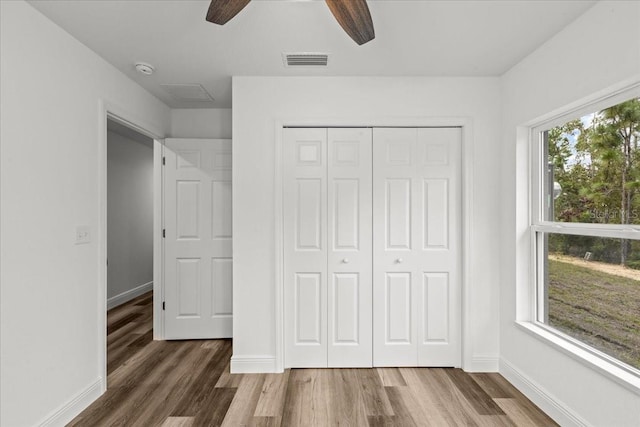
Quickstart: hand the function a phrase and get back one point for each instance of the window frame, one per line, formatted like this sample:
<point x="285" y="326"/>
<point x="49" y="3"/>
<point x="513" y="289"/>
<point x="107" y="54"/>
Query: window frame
<point x="538" y="226"/>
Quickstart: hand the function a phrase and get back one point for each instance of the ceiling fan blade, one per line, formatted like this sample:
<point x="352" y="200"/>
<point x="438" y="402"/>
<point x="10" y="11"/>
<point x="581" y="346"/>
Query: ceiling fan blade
<point x="354" y="17"/>
<point x="221" y="11"/>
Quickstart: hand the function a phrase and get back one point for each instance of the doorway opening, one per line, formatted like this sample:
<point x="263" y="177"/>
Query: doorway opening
<point x="130" y="249"/>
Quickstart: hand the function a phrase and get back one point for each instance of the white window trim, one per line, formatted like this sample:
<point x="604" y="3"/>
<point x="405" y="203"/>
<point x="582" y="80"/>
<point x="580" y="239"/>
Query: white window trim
<point x="585" y="355"/>
<point x="582" y="229"/>
<point x="616" y="370"/>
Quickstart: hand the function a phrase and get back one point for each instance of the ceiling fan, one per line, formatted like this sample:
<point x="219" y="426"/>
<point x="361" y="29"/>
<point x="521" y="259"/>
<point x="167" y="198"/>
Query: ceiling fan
<point x="352" y="15"/>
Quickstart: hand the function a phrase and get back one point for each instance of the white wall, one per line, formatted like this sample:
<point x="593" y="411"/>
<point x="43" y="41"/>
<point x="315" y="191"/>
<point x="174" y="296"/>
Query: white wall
<point x="258" y="102"/>
<point x="201" y="123"/>
<point x="51" y="85"/>
<point x="600" y="49"/>
<point x="129" y="216"/>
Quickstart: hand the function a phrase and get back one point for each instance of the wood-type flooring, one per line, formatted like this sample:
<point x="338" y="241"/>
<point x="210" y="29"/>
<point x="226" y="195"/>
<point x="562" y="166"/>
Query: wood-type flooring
<point x="187" y="383"/>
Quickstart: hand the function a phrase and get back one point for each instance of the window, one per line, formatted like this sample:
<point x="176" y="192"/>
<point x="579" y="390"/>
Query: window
<point x="586" y="230"/>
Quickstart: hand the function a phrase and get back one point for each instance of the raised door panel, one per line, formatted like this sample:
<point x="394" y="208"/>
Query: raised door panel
<point x="398" y="308"/>
<point x="188" y="284"/>
<point x="187" y="209"/>
<point x="222" y="158"/>
<point x="397" y="211"/>
<point x="346" y="214"/>
<point x="309" y="214"/>
<point x="305" y="247"/>
<point x="308" y="309"/>
<point x="436" y="153"/>
<point x="309" y="153"/>
<point x="222" y="285"/>
<point x="188" y="159"/>
<point x="435" y="213"/>
<point x="435" y="308"/>
<point x="346" y="313"/>
<point x="221" y="209"/>
<point x="349" y="248"/>
<point x="398" y="146"/>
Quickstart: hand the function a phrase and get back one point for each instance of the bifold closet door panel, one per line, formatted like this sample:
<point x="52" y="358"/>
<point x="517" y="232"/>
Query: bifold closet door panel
<point x="349" y="248"/>
<point x="394" y="222"/>
<point x="416" y="249"/>
<point x="439" y="243"/>
<point x="305" y="247"/>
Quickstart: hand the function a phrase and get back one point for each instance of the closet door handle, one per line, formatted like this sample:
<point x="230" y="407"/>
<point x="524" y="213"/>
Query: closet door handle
<point x="399" y="261"/>
<point x="345" y="260"/>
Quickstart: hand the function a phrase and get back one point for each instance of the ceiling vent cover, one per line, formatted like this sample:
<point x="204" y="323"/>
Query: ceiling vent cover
<point x="305" y="59"/>
<point x="187" y="92"/>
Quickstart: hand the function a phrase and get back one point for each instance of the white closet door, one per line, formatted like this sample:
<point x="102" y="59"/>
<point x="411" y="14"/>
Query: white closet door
<point x="349" y="248"/>
<point x="394" y="290"/>
<point x="197" y="245"/>
<point x="416" y="273"/>
<point x="439" y="159"/>
<point x="305" y="247"/>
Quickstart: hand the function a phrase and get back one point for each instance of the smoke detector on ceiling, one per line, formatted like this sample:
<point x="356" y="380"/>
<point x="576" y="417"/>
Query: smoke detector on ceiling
<point x="144" y="68"/>
<point x="305" y="59"/>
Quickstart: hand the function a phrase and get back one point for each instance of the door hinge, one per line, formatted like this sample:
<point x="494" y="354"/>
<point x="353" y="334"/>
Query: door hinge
<point x="164" y="160"/>
<point x="163" y="305"/>
<point x="164" y="233"/>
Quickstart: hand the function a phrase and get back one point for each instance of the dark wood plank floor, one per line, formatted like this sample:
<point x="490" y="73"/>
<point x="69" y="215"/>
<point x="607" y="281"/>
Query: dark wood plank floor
<point x="187" y="383"/>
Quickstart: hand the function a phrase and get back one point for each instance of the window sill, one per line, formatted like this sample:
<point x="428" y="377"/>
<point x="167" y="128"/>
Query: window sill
<point x="589" y="359"/>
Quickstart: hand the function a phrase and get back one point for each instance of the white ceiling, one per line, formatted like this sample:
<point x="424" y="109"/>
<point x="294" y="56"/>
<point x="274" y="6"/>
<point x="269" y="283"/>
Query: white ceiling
<point x="413" y="38"/>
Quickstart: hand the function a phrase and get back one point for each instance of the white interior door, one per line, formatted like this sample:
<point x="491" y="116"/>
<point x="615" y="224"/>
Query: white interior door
<point x="305" y="247"/>
<point x="349" y="248"/>
<point x="416" y="246"/>
<point x="197" y="244"/>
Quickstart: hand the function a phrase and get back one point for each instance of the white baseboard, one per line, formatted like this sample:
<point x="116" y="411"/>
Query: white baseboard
<point x="267" y="364"/>
<point x="483" y="363"/>
<point x="128" y="295"/>
<point x="253" y="364"/>
<point x="538" y="395"/>
<point x="73" y="407"/>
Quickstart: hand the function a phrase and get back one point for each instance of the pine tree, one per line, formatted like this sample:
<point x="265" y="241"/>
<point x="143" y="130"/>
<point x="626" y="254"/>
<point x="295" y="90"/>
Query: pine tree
<point x="602" y="183"/>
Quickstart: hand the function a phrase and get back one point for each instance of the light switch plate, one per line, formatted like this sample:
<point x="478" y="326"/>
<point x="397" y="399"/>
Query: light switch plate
<point x="83" y="234"/>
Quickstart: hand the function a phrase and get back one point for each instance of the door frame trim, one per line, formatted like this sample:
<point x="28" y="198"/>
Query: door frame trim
<point x="108" y="110"/>
<point x="466" y="125"/>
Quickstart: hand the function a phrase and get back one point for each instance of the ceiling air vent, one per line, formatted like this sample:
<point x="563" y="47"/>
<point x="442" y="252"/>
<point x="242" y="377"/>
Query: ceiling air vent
<point x="187" y="92"/>
<point x="305" y="59"/>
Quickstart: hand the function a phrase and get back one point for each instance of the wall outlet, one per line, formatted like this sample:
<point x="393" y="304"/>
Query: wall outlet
<point x="83" y="234"/>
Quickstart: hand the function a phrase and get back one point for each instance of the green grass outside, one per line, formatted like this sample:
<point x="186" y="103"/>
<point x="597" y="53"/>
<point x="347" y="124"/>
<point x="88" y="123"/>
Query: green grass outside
<point x="597" y="308"/>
